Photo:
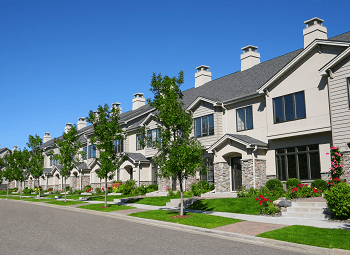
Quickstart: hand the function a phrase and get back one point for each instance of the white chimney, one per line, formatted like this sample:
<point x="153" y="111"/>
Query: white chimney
<point x="314" y="30"/>
<point x="138" y="101"/>
<point x="15" y="148"/>
<point x="81" y="123"/>
<point x="250" y="57"/>
<point x="117" y="105"/>
<point x="202" y="76"/>
<point x="47" y="137"/>
<point x="68" y="126"/>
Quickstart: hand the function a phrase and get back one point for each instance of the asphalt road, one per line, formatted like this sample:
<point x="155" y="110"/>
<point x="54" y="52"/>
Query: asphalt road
<point x="27" y="228"/>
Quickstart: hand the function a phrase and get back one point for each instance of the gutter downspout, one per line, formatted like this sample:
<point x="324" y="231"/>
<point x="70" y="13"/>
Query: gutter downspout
<point x="138" y="170"/>
<point x="253" y="155"/>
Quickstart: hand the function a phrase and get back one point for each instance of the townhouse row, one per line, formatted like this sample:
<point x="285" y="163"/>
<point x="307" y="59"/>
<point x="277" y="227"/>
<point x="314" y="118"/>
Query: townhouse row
<point x="274" y="119"/>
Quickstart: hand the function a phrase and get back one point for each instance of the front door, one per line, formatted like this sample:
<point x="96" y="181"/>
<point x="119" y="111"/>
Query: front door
<point x="236" y="173"/>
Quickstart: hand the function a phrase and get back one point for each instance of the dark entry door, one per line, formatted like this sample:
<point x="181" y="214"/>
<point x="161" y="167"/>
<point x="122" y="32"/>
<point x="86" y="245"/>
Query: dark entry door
<point x="236" y="173"/>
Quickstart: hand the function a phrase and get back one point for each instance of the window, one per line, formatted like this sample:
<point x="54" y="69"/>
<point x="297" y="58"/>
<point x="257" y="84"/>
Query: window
<point x="244" y="118"/>
<point x="302" y="162"/>
<point x="289" y="107"/>
<point x="53" y="161"/>
<point x="209" y="175"/>
<point x="153" y="136"/>
<point x="85" y="152"/>
<point x="118" y="146"/>
<point x="92" y="151"/>
<point x="138" y="144"/>
<point x="204" y="126"/>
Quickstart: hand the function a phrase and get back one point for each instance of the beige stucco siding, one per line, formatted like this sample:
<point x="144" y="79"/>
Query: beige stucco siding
<point x="340" y="104"/>
<point x="303" y="77"/>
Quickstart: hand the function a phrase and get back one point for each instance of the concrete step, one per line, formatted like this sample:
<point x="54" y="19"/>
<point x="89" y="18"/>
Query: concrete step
<point x="177" y="202"/>
<point x="306" y="209"/>
<point x="220" y="194"/>
<point x="310" y="204"/>
<point x="157" y="194"/>
<point x="304" y="215"/>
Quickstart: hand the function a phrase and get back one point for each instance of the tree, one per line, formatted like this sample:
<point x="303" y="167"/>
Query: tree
<point x="106" y="130"/>
<point x="2" y="164"/>
<point x="8" y="172"/>
<point x="179" y="155"/>
<point x="36" y="163"/>
<point x="68" y="156"/>
<point x="18" y="163"/>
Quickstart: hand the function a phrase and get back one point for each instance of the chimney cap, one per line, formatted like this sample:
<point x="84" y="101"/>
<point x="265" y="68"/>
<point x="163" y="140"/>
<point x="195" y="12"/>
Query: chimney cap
<point x="48" y="133"/>
<point x="202" y="68"/>
<point x="116" y="104"/>
<point x="81" y="119"/>
<point x="249" y="48"/>
<point x="311" y="22"/>
<point x="138" y="95"/>
<point x="69" y="124"/>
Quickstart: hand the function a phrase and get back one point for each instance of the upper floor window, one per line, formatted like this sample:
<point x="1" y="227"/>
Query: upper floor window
<point x="153" y="136"/>
<point x="289" y="107"/>
<point x="204" y="126"/>
<point x="92" y="151"/>
<point x="53" y="161"/>
<point x="244" y="118"/>
<point x="85" y="152"/>
<point x="118" y="146"/>
<point x="138" y="144"/>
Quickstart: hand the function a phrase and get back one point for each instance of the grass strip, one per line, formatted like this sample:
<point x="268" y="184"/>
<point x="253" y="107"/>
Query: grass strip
<point x="196" y="219"/>
<point x="110" y="208"/>
<point x="321" y="237"/>
<point x="55" y="202"/>
<point x="159" y="201"/>
<point x="244" y="205"/>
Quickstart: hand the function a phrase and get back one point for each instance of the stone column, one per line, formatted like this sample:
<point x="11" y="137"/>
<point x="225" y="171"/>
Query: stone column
<point x="222" y="177"/>
<point x="162" y="183"/>
<point x="345" y="161"/>
<point x="248" y="175"/>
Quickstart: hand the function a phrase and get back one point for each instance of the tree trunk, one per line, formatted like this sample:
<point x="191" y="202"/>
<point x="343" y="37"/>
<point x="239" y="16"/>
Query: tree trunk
<point x="65" y="189"/>
<point x="39" y="187"/>
<point x="106" y="191"/>
<point x="20" y="193"/>
<point x="8" y="182"/>
<point x="182" y="198"/>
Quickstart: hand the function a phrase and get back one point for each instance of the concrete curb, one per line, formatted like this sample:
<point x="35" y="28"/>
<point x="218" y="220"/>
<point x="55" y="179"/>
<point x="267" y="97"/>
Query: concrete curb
<point x="282" y="245"/>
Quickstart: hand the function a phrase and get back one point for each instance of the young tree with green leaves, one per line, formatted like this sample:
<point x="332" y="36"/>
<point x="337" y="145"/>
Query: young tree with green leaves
<point x="106" y="130"/>
<point x="2" y="164"/>
<point x="8" y="172"/>
<point x="36" y="163"/>
<point x="69" y="155"/>
<point x="179" y="155"/>
<point x="19" y="164"/>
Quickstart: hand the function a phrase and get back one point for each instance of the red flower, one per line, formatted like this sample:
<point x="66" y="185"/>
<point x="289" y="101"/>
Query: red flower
<point x="256" y="199"/>
<point x="261" y="196"/>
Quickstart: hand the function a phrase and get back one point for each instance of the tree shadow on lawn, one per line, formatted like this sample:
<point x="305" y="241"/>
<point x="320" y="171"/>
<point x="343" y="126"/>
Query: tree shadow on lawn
<point x="200" y="205"/>
<point x="134" y="200"/>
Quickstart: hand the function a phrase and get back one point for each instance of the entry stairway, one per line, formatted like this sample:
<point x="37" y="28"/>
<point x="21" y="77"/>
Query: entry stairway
<point x="314" y="208"/>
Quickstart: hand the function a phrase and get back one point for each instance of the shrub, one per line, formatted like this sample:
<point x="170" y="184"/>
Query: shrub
<point x="267" y="206"/>
<point x="117" y="181"/>
<point x="203" y="186"/>
<point x="194" y="189"/>
<point x="338" y="200"/>
<point x="171" y="193"/>
<point x="152" y="187"/>
<point x="274" y="184"/>
<point x="211" y="187"/>
<point x="178" y="193"/>
<point x="87" y="187"/>
<point x="126" y="188"/>
<point x="292" y="183"/>
<point x="139" y="190"/>
<point x="319" y="184"/>
<point x="67" y="188"/>
<point x="97" y="190"/>
<point x="27" y="191"/>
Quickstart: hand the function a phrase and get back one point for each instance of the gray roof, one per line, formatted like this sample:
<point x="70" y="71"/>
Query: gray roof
<point x="248" y="139"/>
<point x="83" y="166"/>
<point x="342" y="37"/>
<point x="137" y="157"/>
<point x="47" y="170"/>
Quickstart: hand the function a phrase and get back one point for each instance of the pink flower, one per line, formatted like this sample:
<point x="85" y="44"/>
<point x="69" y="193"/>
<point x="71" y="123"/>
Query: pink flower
<point x="327" y="153"/>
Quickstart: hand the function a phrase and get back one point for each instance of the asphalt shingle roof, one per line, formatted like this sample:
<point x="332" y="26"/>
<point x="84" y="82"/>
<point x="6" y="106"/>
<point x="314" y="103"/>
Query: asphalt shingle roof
<point x="137" y="156"/>
<point x="248" y="139"/>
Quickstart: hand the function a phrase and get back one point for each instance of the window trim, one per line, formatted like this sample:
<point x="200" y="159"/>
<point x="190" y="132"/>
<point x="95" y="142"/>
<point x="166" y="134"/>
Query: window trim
<point x="138" y="145"/>
<point x="201" y="126"/>
<point x="245" y="119"/>
<point x="92" y="150"/>
<point x="283" y="108"/>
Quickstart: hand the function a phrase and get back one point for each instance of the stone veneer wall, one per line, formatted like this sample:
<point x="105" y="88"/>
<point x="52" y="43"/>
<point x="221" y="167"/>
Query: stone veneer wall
<point x="3" y="186"/>
<point x="162" y="183"/>
<point x="248" y="175"/>
<point x="189" y="181"/>
<point x="74" y="182"/>
<point x="346" y="163"/>
<point x="85" y="181"/>
<point x="222" y="177"/>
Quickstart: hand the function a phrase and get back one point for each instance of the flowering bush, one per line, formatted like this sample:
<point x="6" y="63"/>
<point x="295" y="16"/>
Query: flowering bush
<point x="50" y="189"/>
<point x="88" y="190"/>
<point x="267" y="206"/>
<point x="304" y="190"/>
<point x="337" y="168"/>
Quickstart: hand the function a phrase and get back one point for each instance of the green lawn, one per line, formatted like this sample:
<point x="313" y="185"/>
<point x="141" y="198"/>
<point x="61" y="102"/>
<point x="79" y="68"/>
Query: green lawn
<point x="196" y="219"/>
<point x="68" y="196"/>
<point x="244" y="205"/>
<point x="55" y="202"/>
<point x="109" y="198"/>
<point x="159" y="201"/>
<point x="321" y="237"/>
<point x="38" y="200"/>
<point x="110" y="208"/>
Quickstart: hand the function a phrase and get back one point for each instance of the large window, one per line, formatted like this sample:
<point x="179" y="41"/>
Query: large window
<point x="244" y="118"/>
<point x="209" y="175"/>
<point x="118" y="146"/>
<point x="301" y="162"/>
<point x="153" y="136"/>
<point x="204" y="126"/>
<point x="138" y="144"/>
<point x="289" y="107"/>
<point x="53" y="161"/>
<point x="85" y="152"/>
<point x="92" y="151"/>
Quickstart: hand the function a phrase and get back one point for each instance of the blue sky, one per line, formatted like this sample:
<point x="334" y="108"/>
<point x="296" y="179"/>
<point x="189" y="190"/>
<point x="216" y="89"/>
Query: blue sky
<point x="61" y="58"/>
